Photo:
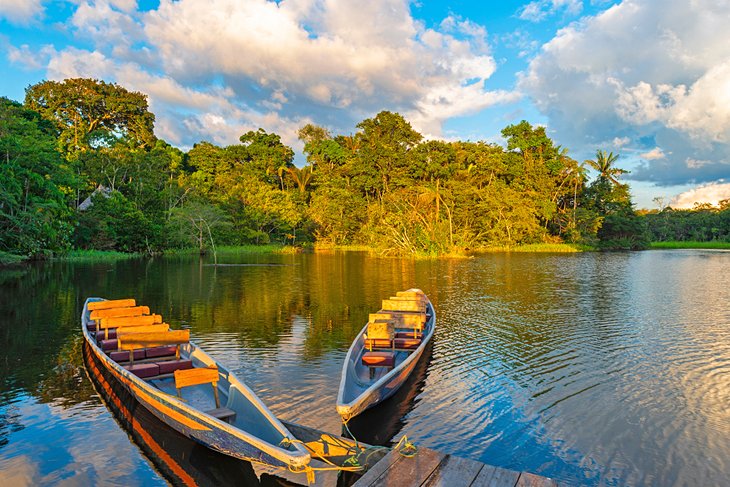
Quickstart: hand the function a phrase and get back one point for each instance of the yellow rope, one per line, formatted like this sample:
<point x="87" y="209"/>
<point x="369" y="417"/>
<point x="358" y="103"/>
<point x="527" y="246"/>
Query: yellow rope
<point x="351" y="464"/>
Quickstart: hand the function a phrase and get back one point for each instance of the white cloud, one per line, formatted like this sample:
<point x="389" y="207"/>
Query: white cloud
<point x="335" y="62"/>
<point x="539" y="10"/>
<point x="21" y="12"/>
<point x="28" y="58"/>
<point x="709" y="193"/>
<point x="184" y="114"/>
<point x="657" y="71"/>
<point x="655" y="153"/>
<point x="619" y="142"/>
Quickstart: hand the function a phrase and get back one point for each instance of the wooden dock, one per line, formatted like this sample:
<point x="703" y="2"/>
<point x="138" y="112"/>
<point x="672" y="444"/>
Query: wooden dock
<point x="387" y="467"/>
<point x="430" y="468"/>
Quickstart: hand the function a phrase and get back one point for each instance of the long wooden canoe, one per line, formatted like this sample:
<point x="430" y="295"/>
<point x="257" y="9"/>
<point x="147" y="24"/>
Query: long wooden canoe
<point x="375" y="367"/>
<point x="209" y="405"/>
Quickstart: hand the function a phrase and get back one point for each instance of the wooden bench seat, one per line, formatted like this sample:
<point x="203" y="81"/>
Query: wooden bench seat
<point x="119" y="312"/>
<point x="112" y="303"/>
<point x="224" y="414"/>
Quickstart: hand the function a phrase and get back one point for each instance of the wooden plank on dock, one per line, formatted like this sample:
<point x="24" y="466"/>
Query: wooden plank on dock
<point x="531" y="480"/>
<point x="496" y="477"/>
<point x="411" y="471"/>
<point x="454" y="471"/>
<point x="379" y="469"/>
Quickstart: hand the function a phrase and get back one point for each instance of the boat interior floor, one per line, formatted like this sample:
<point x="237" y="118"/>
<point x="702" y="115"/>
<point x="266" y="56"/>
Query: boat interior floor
<point x="199" y="396"/>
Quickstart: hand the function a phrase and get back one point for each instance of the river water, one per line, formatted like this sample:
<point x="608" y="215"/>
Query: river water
<point x="593" y="369"/>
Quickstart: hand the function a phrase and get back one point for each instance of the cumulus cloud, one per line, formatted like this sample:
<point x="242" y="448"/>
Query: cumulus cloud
<point x="655" y="153"/>
<point x="224" y="66"/>
<point x="653" y="70"/>
<point x="708" y="193"/>
<point x="539" y="10"/>
<point x="184" y="115"/>
<point x="21" y="11"/>
<point x="29" y="58"/>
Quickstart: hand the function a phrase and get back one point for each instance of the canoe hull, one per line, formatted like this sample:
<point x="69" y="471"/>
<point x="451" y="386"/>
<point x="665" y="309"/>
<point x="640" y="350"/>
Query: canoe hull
<point x="190" y="422"/>
<point x="387" y="385"/>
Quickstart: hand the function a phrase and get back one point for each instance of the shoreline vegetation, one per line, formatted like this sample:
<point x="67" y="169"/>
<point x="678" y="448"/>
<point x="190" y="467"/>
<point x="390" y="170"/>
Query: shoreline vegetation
<point x="690" y="245"/>
<point x="83" y="174"/>
<point x="7" y="259"/>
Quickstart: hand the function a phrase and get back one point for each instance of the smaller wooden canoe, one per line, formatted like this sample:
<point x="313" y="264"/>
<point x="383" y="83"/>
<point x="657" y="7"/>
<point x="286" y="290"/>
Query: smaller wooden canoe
<point x="185" y="388"/>
<point x="385" y="352"/>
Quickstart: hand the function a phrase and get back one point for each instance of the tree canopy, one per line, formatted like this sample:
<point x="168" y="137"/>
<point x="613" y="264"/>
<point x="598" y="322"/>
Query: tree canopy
<point x="383" y="186"/>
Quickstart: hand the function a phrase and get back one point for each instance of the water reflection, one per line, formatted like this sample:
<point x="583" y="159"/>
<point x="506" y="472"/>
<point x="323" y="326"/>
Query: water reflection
<point x="598" y="369"/>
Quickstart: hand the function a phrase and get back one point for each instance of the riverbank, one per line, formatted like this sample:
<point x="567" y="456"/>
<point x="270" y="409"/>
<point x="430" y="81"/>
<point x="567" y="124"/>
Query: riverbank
<point x="10" y="259"/>
<point x="690" y="245"/>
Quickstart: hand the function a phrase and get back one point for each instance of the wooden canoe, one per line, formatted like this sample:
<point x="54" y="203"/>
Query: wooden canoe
<point x="363" y="386"/>
<point x="237" y="423"/>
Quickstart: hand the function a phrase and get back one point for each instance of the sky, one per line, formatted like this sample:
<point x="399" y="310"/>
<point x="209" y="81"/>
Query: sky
<point x="647" y="79"/>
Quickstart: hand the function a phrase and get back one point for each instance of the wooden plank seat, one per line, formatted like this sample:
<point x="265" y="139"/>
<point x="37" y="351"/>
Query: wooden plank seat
<point x="144" y="371"/>
<point x="119" y="312"/>
<point x="406" y="343"/>
<point x="135" y="342"/>
<point x="112" y="303"/>
<point x="378" y="359"/>
<point x="222" y="413"/>
<point x="198" y="376"/>
<point x="107" y="324"/>
<point x="406" y="305"/>
<point x="409" y="334"/>
<point x="401" y="319"/>
<point x="115" y="332"/>
<point x="156" y="354"/>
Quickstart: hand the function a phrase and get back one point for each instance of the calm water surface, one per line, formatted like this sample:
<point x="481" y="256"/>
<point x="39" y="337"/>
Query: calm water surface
<point x="597" y="369"/>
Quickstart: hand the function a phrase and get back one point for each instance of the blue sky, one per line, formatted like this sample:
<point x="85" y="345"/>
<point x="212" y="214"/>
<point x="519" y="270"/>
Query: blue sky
<point x="649" y="79"/>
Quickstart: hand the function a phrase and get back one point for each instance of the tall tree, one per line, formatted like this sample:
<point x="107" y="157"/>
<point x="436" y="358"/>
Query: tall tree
<point x="604" y="164"/>
<point x="89" y="113"/>
<point x="35" y="184"/>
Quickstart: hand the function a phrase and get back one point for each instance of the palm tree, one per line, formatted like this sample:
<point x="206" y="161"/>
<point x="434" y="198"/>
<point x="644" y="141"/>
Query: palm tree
<point x="302" y="177"/>
<point x="604" y="165"/>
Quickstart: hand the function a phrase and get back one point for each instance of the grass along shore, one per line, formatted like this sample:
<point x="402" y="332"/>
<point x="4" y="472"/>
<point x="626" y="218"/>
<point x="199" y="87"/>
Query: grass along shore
<point x="7" y="259"/>
<point x="690" y="245"/>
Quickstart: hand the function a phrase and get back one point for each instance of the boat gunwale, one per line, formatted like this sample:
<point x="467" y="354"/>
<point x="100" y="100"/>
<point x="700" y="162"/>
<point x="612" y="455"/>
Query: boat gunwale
<point x="300" y="457"/>
<point x="415" y="355"/>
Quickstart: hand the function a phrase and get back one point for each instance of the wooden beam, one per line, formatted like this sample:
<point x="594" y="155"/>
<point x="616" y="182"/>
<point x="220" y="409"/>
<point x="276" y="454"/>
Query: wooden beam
<point x="390" y="305"/>
<point x="133" y="341"/>
<point x="412" y="471"/>
<point x="130" y="321"/>
<point x="455" y="471"/>
<point x="380" y="469"/>
<point x="491" y="476"/>
<point x="117" y="312"/>
<point x="125" y="330"/>
<point x="194" y="377"/>
<point x="410" y="294"/>
<point x="116" y="303"/>
<point x="531" y="480"/>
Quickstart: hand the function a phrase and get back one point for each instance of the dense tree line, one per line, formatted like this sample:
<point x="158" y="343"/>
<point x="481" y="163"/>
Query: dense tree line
<point x="81" y="168"/>
<point x="703" y="223"/>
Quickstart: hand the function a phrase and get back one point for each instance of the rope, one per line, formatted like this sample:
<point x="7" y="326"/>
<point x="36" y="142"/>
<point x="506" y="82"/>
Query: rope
<point x="351" y="464"/>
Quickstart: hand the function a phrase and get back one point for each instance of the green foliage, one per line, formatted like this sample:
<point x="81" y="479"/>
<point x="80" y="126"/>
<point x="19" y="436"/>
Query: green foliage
<point x="35" y="185"/>
<point x="115" y="223"/>
<point x="702" y="223"/>
<point x="382" y="187"/>
<point x="197" y="224"/>
<point x="623" y="231"/>
<point x="88" y="113"/>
